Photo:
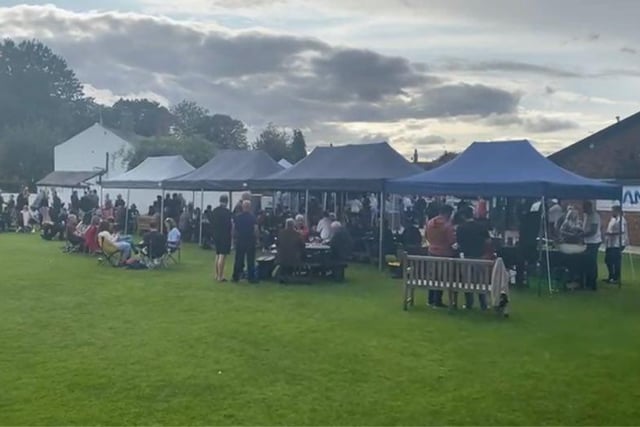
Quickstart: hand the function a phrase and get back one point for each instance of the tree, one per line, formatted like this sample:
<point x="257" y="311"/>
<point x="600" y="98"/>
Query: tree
<point x="195" y="149"/>
<point x="298" y="148"/>
<point x="189" y="118"/>
<point x="274" y="141"/>
<point x="26" y="151"/>
<point x="141" y="116"/>
<point x="224" y="131"/>
<point x="37" y="85"/>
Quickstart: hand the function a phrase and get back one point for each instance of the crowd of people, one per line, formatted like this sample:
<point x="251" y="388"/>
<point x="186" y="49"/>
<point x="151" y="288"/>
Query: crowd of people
<point x="448" y="231"/>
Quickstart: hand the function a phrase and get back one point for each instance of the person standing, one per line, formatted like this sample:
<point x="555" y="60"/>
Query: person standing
<point x="592" y="238"/>
<point x="616" y="239"/>
<point x="472" y="237"/>
<point x="246" y="234"/>
<point x="222" y="229"/>
<point x="441" y="237"/>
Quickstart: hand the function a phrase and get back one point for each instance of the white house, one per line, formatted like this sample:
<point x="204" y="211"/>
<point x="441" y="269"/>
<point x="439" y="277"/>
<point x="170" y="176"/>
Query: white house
<point x="80" y="160"/>
<point x="93" y="149"/>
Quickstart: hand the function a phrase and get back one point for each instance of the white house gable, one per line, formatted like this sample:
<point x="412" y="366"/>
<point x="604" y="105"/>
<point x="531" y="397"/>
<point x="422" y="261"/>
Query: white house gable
<point x="92" y="149"/>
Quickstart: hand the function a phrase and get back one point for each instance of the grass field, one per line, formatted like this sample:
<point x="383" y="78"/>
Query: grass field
<point x="85" y="344"/>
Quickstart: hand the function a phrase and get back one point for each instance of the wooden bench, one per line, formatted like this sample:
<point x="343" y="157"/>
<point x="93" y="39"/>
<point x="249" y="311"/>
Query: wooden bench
<point x="446" y="274"/>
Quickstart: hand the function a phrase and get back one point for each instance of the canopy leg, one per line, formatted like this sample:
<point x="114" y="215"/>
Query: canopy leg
<point x="126" y="214"/>
<point x="201" y="213"/>
<point x="381" y="229"/>
<point x="162" y="213"/>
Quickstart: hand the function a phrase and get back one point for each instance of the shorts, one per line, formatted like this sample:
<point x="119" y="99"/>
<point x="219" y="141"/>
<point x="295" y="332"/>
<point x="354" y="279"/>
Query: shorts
<point x="223" y="247"/>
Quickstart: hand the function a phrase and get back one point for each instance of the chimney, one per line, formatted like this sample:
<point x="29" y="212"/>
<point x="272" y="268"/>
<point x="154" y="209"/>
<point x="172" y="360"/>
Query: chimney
<point x="617" y="119"/>
<point x="415" y="155"/>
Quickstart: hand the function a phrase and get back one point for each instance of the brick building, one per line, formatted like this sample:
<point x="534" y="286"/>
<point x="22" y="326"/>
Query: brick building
<point x="612" y="154"/>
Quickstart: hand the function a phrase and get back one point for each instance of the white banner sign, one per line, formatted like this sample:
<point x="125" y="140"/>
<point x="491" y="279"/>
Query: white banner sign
<point x="630" y="200"/>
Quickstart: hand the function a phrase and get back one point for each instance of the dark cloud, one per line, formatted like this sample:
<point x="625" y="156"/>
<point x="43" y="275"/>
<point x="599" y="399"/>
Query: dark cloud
<point x="593" y="37"/>
<point x="629" y="50"/>
<point x="538" y="124"/>
<point x="509" y="66"/>
<point x="547" y="125"/>
<point x="370" y="75"/>
<point x="257" y="76"/>
<point x="466" y="99"/>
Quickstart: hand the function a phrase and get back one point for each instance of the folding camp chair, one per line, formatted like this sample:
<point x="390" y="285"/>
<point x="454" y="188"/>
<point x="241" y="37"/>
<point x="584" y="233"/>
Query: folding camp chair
<point x="174" y="252"/>
<point x="109" y="252"/>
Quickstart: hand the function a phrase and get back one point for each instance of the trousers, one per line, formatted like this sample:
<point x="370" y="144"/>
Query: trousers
<point x="245" y="251"/>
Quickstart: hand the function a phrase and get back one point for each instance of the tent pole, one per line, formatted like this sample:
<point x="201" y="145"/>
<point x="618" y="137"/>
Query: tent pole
<point x="621" y="230"/>
<point x="324" y="201"/>
<point x="381" y="228"/>
<point x="193" y="199"/>
<point x="201" y="212"/>
<point x="306" y="207"/>
<point x="546" y="243"/>
<point x="162" y="213"/>
<point x="126" y="214"/>
<point x="230" y="201"/>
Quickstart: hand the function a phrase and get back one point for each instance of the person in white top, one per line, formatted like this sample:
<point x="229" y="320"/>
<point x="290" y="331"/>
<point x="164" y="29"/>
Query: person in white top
<point x="555" y="214"/>
<point x="324" y="227"/>
<point x="355" y="206"/>
<point x="592" y="238"/>
<point x="173" y="236"/>
<point x="616" y="238"/>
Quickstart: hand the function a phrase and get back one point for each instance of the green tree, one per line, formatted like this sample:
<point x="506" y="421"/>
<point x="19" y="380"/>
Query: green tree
<point x="37" y="85"/>
<point x="274" y="141"/>
<point x="224" y="131"/>
<point x="188" y="118"/>
<point x="195" y="149"/>
<point x="26" y="151"/>
<point x="141" y="116"/>
<point x="298" y="148"/>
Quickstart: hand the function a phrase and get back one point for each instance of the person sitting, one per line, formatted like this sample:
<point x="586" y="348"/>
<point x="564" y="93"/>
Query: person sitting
<point x="174" y="236"/>
<point x="411" y="238"/>
<point x="154" y="244"/>
<point x="104" y="235"/>
<point x="91" y="236"/>
<point x="74" y="239"/>
<point x="341" y="244"/>
<point x="302" y="228"/>
<point x="324" y="227"/>
<point x="290" y="249"/>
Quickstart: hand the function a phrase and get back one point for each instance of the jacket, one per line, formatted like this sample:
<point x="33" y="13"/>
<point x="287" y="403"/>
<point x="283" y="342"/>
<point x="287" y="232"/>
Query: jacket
<point x="499" y="282"/>
<point x="441" y="237"/>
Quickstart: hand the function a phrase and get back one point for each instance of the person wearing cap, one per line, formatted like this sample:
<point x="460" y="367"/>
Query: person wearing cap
<point x="616" y="238"/>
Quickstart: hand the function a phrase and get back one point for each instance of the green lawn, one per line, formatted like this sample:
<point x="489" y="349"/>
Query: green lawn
<point x="86" y="344"/>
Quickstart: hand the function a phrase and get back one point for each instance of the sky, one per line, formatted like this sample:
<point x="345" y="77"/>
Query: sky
<point x="431" y="75"/>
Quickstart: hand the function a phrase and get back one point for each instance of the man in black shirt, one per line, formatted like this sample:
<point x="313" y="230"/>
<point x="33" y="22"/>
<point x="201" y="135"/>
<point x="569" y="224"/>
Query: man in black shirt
<point x="221" y="229"/>
<point x="154" y="243"/>
<point x="246" y="233"/>
<point x="472" y="237"/>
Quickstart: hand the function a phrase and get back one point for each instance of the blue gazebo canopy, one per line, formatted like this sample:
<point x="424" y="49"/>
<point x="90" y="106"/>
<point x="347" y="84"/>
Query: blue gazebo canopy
<point x="504" y="169"/>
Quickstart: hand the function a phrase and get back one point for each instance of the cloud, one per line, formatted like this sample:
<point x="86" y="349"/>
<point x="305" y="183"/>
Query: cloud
<point x="533" y="124"/>
<point x="547" y="124"/>
<point x="255" y="75"/>
<point x="628" y="50"/>
<point x="509" y="66"/>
